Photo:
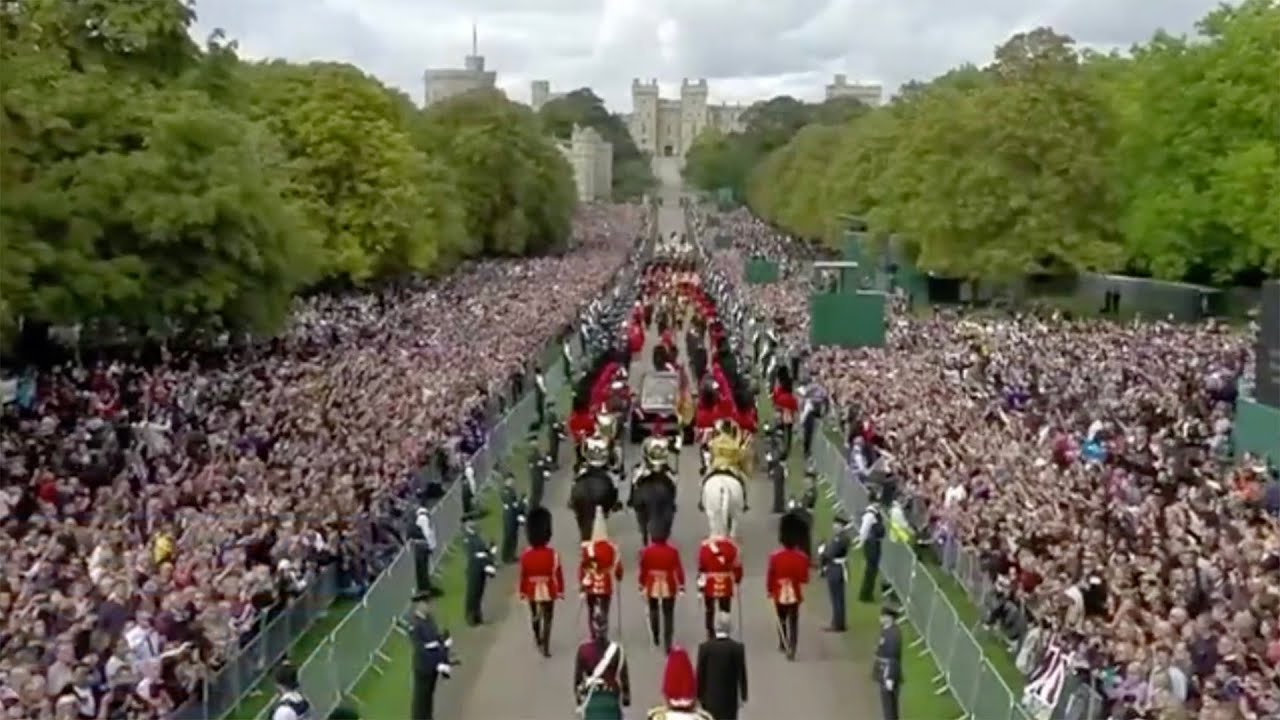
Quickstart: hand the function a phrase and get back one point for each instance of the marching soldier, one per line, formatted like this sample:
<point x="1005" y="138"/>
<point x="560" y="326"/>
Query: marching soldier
<point x="834" y="556"/>
<point x="599" y="567"/>
<point x="541" y="577"/>
<point x="679" y="690"/>
<point x="661" y="578"/>
<point x="513" y="514"/>
<point x="431" y="658"/>
<point x="480" y="568"/>
<point x="601" y="679"/>
<point x="888" y="663"/>
<point x="719" y="575"/>
<point x="469" y="492"/>
<point x="788" y="573"/>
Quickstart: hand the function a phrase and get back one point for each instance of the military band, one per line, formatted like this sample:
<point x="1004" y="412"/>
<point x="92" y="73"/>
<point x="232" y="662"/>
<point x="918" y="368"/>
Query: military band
<point x="661" y="576"/>
<point x="599" y="568"/>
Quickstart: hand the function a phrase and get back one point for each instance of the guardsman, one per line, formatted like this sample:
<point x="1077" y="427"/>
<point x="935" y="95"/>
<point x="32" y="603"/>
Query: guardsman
<point x="833" y="563"/>
<point x="661" y="577"/>
<point x="888" y="663"/>
<point x="871" y="534"/>
<point x="785" y="406"/>
<point x="599" y="567"/>
<point x="679" y="690"/>
<point x="541" y="577"/>
<point x="514" y="507"/>
<point x="291" y="704"/>
<point x="796" y="508"/>
<point x="538" y="470"/>
<point x="787" y="574"/>
<point x="480" y="567"/>
<point x="719" y="575"/>
<point x="601" y="679"/>
<point x="431" y="658"/>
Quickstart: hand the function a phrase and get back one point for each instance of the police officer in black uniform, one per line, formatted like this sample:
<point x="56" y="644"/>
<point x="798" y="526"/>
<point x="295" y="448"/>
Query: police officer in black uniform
<point x="480" y="568"/>
<point x="431" y="657"/>
<point x="833" y="558"/>
<point x="888" y="663"/>
<point x="514" y="507"/>
<point x="539" y="466"/>
<point x="423" y="537"/>
<point x="870" y="536"/>
<point x="291" y="705"/>
<point x="777" y="470"/>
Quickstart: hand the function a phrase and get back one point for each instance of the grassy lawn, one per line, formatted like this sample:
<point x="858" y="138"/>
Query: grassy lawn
<point x="864" y="618"/>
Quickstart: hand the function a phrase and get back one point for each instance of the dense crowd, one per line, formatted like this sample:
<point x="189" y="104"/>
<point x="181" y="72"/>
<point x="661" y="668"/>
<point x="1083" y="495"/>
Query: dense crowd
<point x="151" y="515"/>
<point x="1088" y="464"/>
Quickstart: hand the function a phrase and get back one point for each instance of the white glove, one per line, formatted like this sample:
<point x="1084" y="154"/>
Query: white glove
<point x="490" y="570"/>
<point x="888" y="685"/>
<point x="520" y="519"/>
<point x="701" y="582"/>
<point x="444" y="669"/>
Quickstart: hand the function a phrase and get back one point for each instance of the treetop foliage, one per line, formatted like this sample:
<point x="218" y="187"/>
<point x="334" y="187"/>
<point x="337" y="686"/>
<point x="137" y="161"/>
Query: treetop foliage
<point x="148" y="182"/>
<point x="1162" y="161"/>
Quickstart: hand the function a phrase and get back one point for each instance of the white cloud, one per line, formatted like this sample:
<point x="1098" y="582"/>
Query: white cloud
<point x="747" y="49"/>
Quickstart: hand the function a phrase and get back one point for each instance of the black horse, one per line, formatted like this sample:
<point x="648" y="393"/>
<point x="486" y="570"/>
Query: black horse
<point x="592" y="489"/>
<point x="653" y="496"/>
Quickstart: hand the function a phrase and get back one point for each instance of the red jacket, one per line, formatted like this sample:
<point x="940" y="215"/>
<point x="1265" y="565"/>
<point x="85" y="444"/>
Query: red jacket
<point x="582" y="424"/>
<point x="747" y="419"/>
<point x="598" y="567"/>
<point x="704" y="418"/>
<point x="660" y="574"/>
<point x="720" y="567"/>
<point x="785" y="404"/>
<point x="635" y="337"/>
<point x="541" y="577"/>
<point x="600" y="390"/>
<point x="787" y="575"/>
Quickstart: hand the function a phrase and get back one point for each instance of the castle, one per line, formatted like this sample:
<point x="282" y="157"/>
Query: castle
<point x="667" y="128"/>
<point x="591" y="158"/>
<point x="443" y="83"/>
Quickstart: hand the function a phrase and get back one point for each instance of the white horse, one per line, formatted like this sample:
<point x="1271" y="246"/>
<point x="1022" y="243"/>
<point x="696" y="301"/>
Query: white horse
<point x="723" y="503"/>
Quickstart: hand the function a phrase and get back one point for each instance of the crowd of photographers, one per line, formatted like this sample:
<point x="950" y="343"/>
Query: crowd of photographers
<point x="156" y="509"/>
<point x="1088" y="463"/>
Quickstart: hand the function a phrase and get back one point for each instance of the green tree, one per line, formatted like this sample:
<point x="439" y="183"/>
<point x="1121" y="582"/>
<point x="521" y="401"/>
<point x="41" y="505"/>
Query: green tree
<point x="632" y="171"/>
<point x="381" y="206"/>
<point x="516" y="189"/>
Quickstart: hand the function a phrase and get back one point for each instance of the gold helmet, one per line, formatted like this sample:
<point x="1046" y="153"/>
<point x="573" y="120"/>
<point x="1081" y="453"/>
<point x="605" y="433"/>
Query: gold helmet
<point x="727" y="427"/>
<point x="656" y="451"/>
<point x="596" y="451"/>
<point x="606" y="424"/>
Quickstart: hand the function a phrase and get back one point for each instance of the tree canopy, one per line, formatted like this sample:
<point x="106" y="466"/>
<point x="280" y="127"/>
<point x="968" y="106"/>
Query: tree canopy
<point x="632" y="172"/>
<point x="1161" y="161"/>
<point x="149" y="182"/>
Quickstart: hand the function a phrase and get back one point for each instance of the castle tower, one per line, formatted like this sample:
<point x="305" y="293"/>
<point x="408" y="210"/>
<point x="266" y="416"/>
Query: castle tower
<point x="644" y="115"/>
<point x="541" y="93"/>
<point x="693" y="112"/>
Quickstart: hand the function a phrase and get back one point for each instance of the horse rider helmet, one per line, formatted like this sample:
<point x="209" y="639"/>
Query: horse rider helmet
<point x="596" y="452"/>
<point x="606" y="425"/>
<point x="656" y="452"/>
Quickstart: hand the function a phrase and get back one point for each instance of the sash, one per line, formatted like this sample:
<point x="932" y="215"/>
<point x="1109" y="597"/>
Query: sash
<point x="597" y="673"/>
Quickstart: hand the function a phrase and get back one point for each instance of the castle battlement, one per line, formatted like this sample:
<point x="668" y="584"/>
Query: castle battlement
<point x="667" y="127"/>
<point x="687" y="86"/>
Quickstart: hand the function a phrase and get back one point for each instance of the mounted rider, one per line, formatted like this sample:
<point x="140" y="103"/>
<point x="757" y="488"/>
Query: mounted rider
<point x="657" y="461"/>
<point x="729" y="454"/>
<point x="599" y="567"/>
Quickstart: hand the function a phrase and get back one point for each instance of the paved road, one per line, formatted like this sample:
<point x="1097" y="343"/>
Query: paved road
<point x="514" y="683"/>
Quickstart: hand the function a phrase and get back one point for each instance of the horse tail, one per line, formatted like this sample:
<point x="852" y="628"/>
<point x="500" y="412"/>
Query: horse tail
<point x="722" y="512"/>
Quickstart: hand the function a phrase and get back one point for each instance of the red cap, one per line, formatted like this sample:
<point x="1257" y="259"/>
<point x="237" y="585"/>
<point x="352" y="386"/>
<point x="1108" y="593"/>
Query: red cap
<point x="679" y="687"/>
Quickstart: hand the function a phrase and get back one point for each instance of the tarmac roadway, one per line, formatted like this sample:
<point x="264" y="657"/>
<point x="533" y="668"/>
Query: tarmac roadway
<point x="513" y="682"/>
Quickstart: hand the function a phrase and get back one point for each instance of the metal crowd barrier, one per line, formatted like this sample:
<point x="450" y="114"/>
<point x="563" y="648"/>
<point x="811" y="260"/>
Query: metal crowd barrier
<point x="275" y="634"/>
<point x="977" y="687"/>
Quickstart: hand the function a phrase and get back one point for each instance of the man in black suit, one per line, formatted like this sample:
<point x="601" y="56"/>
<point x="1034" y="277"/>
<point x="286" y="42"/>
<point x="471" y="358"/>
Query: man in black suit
<point x="722" y="672"/>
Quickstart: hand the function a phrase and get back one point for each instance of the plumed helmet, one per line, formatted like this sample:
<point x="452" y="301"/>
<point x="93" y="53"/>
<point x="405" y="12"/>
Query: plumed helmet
<point x="596" y="451"/>
<point x="792" y="530"/>
<point x="537" y="528"/>
<point x="679" y="686"/>
<point x="656" y="451"/>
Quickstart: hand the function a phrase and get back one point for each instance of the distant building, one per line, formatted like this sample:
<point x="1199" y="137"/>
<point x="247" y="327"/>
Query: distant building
<point x="869" y="93"/>
<point x="592" y="161"/>
<point x="667" y="128"/>
<point x="541" y="94"/>
<point x="443" y="83"/>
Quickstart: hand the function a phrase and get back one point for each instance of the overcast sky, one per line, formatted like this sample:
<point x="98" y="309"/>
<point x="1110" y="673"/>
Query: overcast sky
<point x="747" y="49"/>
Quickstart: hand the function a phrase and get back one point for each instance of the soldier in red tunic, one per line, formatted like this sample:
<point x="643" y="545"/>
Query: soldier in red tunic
<point x="599" y="567"/>
<point x="719" y="575"/>
<point x="661" y="577"/>
<point x="785" y="579"/>
<point x="785" y="406"/>
<point x="541" y="577"/>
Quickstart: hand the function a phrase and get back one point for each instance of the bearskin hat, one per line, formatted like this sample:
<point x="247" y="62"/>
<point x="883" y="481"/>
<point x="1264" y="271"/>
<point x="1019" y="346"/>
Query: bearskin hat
<point x="660" y="527"/>
<point x="708" y="397"/>
<point x="792" y="530"/>
<point x="783" y="376"/>
<point x="742" y="395"/>
<point x="582" y="392"/>
<point x="537" y="527"/>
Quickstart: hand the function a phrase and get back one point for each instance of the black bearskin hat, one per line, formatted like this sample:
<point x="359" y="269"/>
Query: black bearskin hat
<point x="742" y="395"/>
<point x="709" y="395"/>
<point x="582" y="392"/>
<point x="537" y="527"/>
<point x="660" y="527"/>
<point x="783" y="374"/>
<point x="792" y="530"/>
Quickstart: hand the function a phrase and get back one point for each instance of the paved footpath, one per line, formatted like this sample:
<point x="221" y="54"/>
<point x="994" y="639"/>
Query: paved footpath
<point x="513" y="682"/>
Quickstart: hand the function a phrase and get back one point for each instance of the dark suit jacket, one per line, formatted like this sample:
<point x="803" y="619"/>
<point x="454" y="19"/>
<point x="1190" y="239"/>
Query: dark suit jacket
<point x="722" y="677"/>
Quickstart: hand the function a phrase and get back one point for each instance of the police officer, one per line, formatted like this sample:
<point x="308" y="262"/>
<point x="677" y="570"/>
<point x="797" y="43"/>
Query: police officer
<point x="778" y="476"/>
<point x="814" y="402"/>
<point x="480" y="568"/>
<point x="513" y="512"/>
<point x="870" y="536"/>
<point x="424" y="545"/>
<point x="555" y="435"/>
<point x="888" y="663"/>
<point x="291" y="705"/>
<point x="538" y="469"/>
<point x="834" y="556"/>
<point x="431" y="658"/>
<point x="540" y="395"/>
<point x="469" y="492"/>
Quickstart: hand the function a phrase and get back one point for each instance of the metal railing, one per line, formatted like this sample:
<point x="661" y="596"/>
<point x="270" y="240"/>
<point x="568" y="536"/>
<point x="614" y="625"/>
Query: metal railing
<point x="977" y="687"/>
